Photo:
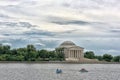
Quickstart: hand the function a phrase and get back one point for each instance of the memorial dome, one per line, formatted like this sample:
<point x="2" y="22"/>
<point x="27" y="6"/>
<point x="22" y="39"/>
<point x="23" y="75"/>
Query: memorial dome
<point x="67" y="44"/>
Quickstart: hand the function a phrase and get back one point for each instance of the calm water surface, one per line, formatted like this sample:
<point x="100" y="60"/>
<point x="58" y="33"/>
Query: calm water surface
<point x="22" y="71"/>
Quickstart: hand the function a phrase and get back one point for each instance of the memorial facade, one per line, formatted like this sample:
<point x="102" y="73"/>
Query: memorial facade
<point x="71" y="51"/>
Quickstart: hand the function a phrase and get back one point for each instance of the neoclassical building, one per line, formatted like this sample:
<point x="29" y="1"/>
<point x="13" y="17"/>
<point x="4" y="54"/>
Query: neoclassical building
<point x="71" y="51"/>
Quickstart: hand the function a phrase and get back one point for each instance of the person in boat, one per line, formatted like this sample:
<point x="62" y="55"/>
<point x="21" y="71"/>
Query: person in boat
<point x="58" y="71"/>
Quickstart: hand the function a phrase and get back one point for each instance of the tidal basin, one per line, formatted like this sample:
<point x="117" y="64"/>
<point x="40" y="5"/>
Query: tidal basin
<point x="46" y="71"/>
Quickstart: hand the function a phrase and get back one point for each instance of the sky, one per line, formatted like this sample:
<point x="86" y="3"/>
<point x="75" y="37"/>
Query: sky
<point x="92" y="24"/>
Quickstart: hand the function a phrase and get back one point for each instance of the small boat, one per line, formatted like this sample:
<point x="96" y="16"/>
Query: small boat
<point x="83" y="70"/>
<point x="58" y="71"/>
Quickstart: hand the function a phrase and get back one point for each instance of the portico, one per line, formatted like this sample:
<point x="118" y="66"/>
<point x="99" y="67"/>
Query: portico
<point x="71" y="51"/>
<point x="75" y="53"/>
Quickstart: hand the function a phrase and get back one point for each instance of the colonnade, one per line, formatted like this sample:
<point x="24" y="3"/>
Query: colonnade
<point x="75" y="53"/>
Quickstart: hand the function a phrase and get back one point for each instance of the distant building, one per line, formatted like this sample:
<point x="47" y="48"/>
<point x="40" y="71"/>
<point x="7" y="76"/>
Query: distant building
<point x="71" y="51"/>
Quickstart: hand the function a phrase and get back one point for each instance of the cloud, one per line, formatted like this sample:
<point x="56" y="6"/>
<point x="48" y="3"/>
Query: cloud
<point x="61" y="21"/>
<point x="92" y="24"/>
<point x="4" y="16"/>
<point x="16" y="24"/>
<point x="7" y="44"/>
<point x="115" y="30"/>
<point x="39" y="33"/>
<point x="39" y="44"/>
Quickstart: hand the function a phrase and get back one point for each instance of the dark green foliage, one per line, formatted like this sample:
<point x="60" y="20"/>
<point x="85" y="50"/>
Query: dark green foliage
<point x="116" y="59"/>
<point x="31" y="53"/>
<point x="89" y="55"/>
<point x="43" y="54"/>
<point x="52" y="54"/>
<point x="107" y="57"/>
<point x="28" y="53"/>
<point x="100" y="58"/>
<point x="4" y="49"/>
<point x="60" y="56"/>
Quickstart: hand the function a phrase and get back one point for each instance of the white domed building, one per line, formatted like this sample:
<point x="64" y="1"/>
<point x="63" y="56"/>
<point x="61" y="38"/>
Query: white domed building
<point x="71" y="51"/>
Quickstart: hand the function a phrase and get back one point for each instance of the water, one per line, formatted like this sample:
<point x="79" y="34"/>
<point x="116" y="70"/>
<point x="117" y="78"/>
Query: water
<point x="22" y="71"/>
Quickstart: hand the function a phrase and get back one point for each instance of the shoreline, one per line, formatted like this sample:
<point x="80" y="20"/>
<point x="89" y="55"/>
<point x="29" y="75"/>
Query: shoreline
<point x="57" y="62"/>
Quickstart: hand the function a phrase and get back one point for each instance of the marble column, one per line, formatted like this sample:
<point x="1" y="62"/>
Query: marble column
<point x="75" y="53"/>
<point x="70" y="53"/>
<point x="79" y="53"/>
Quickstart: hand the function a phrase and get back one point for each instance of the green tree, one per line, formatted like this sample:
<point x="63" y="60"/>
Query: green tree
<point x="31" y="56"/>
<point x="5" y="49"/>
<point x="31" y="48"/>
<point x="89" y="55"/>
<point x="31" y="53"/>
<point x="14" y="52"/>
<point x="52" y="54"/>
<point x="116" y="59"/>
<point x="61" y="56"/>
<point x="10" y="57"/>
<point x="107" y="57"/>
<point x="1" y="49"/>
<point x="3" y="57"/>
<point x="19" y="58"/>
<point x="43" y="54"/>
<point x="100" y="58"/>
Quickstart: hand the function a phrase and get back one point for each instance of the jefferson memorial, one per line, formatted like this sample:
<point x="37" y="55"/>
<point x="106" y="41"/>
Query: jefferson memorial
<point x="71" y="51"/>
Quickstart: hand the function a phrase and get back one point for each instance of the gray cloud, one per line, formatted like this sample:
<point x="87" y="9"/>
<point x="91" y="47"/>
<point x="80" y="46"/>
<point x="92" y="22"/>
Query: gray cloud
<point x="76" y="22"/>
<point x="61" y="21"/>
<point x="15" y="43"/>
<point x="39" y="33"/>
<point x="115" y="31"/>
<point x="49" y="22"/>
<point x="4" y="16"/>
<point x="16" y="24"/>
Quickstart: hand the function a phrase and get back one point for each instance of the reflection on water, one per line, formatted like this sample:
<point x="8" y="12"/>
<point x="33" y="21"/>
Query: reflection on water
<point x="20" y="71"/>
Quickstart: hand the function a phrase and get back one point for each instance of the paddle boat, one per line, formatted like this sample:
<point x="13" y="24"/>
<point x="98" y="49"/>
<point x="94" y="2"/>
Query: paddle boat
<point x="58" y="71"/>
<point x="83" y="70"/>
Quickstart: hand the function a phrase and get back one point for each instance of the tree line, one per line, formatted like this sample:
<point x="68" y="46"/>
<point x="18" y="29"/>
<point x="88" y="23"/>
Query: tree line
<point x="28" y="53"/>
<point x="104" y="57"/>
